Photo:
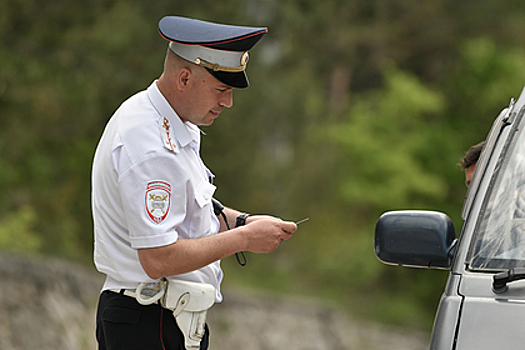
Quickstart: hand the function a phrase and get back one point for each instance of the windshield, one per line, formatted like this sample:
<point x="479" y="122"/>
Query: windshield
<point x="499" y="241"/>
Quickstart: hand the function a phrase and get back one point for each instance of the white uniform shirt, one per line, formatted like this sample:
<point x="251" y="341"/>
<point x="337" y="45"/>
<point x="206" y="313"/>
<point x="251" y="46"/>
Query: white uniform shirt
<point x="150" y="187"/>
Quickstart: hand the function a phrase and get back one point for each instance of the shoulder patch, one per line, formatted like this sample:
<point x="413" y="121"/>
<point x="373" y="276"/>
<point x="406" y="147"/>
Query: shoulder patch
<point x="158" y="200"/>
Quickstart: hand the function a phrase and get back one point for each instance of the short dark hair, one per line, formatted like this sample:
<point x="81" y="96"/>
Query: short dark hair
<point x="472" y="155"/>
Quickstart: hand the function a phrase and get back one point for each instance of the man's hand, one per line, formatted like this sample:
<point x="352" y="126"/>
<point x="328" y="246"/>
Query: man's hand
<point x="264" y="234"/>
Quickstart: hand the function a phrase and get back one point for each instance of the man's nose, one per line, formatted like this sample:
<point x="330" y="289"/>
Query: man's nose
<point x="227" y="100"/>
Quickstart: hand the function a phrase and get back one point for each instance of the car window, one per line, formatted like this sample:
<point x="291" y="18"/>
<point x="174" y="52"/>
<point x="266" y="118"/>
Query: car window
<point x="481" y="166"/>
<point x="499" y="241"/>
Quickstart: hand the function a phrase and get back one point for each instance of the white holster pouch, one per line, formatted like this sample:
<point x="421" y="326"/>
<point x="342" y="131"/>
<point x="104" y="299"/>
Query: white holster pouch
<point x="189" y="302"/>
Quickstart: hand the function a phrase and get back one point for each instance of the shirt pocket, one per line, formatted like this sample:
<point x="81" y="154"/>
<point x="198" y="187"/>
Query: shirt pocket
<point x="204" y="193"/>
<point x="202" y="217"/>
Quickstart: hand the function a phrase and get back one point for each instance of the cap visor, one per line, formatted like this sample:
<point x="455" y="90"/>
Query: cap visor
<point x="237" y="80"/>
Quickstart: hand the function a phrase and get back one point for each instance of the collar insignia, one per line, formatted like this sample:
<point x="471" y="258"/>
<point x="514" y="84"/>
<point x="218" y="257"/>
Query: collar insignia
<point x="165" y="130"/>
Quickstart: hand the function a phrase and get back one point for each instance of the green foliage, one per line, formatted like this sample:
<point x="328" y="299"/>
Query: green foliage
<point x="484" y="81"/>
<point x="17" y="232"/>
<point x="382" y="138"/>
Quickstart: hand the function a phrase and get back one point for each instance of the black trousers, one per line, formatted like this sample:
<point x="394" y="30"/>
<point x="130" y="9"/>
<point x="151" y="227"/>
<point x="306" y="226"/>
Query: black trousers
<point x="124" y="324"/>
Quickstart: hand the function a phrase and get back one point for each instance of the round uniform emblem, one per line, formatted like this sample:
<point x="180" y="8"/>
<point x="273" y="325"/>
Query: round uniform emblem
<point x="244" y="59"/>
<point x="158" y="199"/>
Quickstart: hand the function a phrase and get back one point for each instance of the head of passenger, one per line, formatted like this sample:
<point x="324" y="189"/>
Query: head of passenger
<point x="470" y="160"/>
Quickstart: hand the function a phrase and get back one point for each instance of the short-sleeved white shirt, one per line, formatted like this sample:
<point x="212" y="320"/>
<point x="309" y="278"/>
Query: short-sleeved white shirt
<point x="149" y="187"/>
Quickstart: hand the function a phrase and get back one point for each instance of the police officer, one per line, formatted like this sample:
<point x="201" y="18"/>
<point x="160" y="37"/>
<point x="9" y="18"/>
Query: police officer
<point x="151" y="193"/>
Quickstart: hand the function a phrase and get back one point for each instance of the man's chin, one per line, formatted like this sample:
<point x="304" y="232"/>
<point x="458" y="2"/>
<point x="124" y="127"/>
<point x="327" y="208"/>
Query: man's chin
<point x="212" y="119"/>
<point x="207" y="122"/>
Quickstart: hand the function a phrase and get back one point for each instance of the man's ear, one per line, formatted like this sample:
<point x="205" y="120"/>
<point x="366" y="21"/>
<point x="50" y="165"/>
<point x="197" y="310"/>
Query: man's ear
<point x="183" y="78"/>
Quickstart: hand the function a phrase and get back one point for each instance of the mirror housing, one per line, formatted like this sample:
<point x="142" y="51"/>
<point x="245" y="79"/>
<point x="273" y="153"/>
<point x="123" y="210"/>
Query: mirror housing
<point x="415" y="238"/>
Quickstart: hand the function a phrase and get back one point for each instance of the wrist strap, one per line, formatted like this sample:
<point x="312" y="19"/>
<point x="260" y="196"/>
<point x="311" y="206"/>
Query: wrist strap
<point x="241" y="219"/>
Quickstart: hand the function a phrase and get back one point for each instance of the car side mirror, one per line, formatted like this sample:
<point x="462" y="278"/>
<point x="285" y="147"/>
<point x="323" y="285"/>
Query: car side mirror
<point x="415" y="238"/>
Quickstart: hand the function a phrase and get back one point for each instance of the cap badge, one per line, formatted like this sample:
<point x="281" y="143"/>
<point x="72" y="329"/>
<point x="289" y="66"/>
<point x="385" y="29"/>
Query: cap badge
<point x="244" y="59"/>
